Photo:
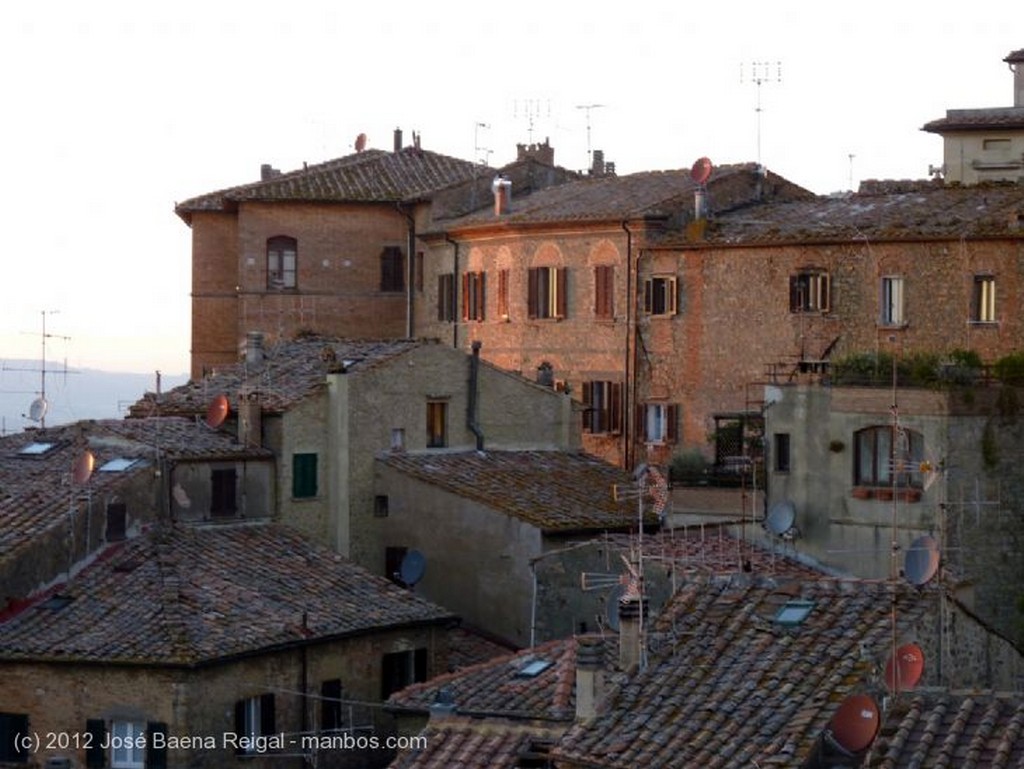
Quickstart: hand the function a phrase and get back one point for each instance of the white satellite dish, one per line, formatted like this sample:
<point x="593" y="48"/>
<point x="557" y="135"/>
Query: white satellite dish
<point x="780" y="518"/>
<point x="181" y="497"/>
<point x="37" y="410"/>
<point x="414" y="564"/>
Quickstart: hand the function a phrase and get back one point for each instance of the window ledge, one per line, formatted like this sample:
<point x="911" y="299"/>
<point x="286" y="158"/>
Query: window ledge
<point x="983" y="323"/>
<point x="884" y="494"/>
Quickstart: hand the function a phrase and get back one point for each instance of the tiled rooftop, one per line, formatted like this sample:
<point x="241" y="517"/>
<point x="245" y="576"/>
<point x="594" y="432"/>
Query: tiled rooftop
<point x="729" y="686"/>
<point x="943" y="731"/>
<point x="35" y="489"/>
<point x="497" y="688"/>
<point x="470" y="745"/>
<point x="1005" y="118"/>
<point x="903" y="211"/>
<point x="617" y="197"/>
<point x="557" y="491"/>
<point x="290" y="371"/>
<point x="373" y="176"/>
<point x="180" y="595"/>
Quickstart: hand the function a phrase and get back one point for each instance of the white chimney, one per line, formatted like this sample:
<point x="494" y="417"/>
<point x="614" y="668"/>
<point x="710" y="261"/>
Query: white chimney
<point x="589" y="676"/>
<point x="630" y="622"/>
<point x="254" y="347"/>
<point x="502" y="189"/>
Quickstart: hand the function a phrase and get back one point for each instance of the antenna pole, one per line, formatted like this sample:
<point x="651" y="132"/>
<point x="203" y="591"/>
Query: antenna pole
<point x="586" y="108"/>
<point x="760" y="73"/>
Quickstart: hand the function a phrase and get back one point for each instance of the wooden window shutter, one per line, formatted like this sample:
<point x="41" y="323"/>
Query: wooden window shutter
<point x="561" y="289"/>
<point x="588" y="403"/>
<point x="239" y="723"/>
<point x="156" y="758"/>
<point x="440" y="297"/>
<point x="419" y="670"/>
<point x="503" y="293"/>
<point x="95" y="756"/>
<point x="532" y="292"/>
<point x="641" y="422"/>
<point x="672" y="424"/>
<point x="794" y="293"/>
<point x="648" y="295"/>
<point x="826" y="292"/>
<point x="267" y="725"/>
<point x="615" y="408"/>
<point x="467" y="308"/>
<point x="672" y="289"/>
<point x="480" y="277"/>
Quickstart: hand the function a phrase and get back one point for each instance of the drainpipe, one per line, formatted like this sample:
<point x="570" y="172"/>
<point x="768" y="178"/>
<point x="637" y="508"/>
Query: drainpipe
<point x="455" y="291"/>
<point x="628" y="391"/>
<point x="471" y="411"/>
<point x="410" y="269"/>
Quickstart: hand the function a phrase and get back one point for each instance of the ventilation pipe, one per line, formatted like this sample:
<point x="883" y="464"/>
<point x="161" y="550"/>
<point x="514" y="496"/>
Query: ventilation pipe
<point x="472" y="421"/>
<point x="398" y="140"/>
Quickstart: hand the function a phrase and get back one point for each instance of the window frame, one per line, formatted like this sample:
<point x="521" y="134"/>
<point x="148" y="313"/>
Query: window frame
<point x="782" y="453"/>
<point x="254" y="717"/>
<point x="473" y="295"/>
<point x="892" y="301"/>
<point x="11" y="725"/>
<point x="402" y="668"/>
<point x="279" y="276"/>
<point x="871" y="469"/>
<point x="664" y="417"/>
<point x="437" y="423"/>
<point x="661" y="296"/>
<point x="446" y="297"/>
<point x="133" y="756"/>
<point x="392" y="270"/>
<point x="546" y="295"/>
<point x="602" y="407"/>
<point x="503" y="282"/>
<point x="116" y="522"/>
<point x="223" y="494"/>
<point x="983" y="299"/>
<point x="305" y="475"/>
<point x="810" y="291"/>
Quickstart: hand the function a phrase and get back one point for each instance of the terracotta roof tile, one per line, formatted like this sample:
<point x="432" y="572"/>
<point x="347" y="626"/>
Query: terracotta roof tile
<point x="373" y="176"/>
<point x="977" y="120"/>
<point x="553" y="490"/>
<point x="463" y="745"/>
<point x="184" y="595"/>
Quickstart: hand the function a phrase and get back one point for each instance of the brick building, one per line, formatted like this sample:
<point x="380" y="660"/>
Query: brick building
<point x="230" y="642"/>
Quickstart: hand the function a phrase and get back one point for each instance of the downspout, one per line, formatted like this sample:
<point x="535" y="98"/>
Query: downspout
<point x="628" y="391"/>
<point x="472" y="407"/>
<point x="410" y="269"/>
<point x="455" y="291"/>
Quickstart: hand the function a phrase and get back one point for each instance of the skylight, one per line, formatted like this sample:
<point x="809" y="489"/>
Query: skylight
<point x="118" y="465"/>
<point x="793" y="612"/>
<point x="533" y="668"/>
<point x="36" y="448"/>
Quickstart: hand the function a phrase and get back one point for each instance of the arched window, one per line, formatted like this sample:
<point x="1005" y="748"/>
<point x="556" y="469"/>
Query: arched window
<point x="876" y="458"/>
<point x="281" y="262"/>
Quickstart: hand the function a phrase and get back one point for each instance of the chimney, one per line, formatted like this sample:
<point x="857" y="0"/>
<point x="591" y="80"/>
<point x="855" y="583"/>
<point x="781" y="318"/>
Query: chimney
<point x="443" y="705"/>
<point x="589" y="676"/>
<point x="597" y="164"/>
<point x="254" y="347"/>
<point x="398" y="140"/>
<point x="397" y="440"/>
<point x="1015" y="61"/>
<point x="250" y="420"/>
<point x="268" y="172"/>
<point x="630" y="622"/>
<point x="700" y="203"/>
<point x="502" y="189"/>
<point x="545" y="374"/>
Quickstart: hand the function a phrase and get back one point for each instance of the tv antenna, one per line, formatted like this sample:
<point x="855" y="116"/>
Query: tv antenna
<point x="530" y="109"/>
<point x="482" y="154"/>
<point x="761" y="74"/>
<point x="38" y="408"/>
<point x="586" y="108"/>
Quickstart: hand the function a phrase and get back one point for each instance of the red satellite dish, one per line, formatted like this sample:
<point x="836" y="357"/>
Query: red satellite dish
<point x="855" y="724"/>
<point x="360" y="142"/>
<point x="81" y="470"/>
<point x="701" y="170"/>
<point x="907" y="670"/>
<point x="218" y="411"/>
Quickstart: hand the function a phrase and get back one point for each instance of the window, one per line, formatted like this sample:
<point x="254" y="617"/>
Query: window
<point x="473" y="296"/>
<point x="117" y="519"/>
<point x="330" y="705"/>
<point x="392" y="277"/>
<point x="892" y="301"/>
<point x="222" y="497"/>
<point x="545" y="296"/>
<point x="381" y="506"/>
<point x="446" y="297"/>
<point x="254" y="717"/>
<point x="11" y="726"/>
<point x="95" y="755"/>
<point x="809" y="291"/>
<point x="304" y="476"/>
<point x="604" y="291"/>
<point x="875" y="459"/>
<point x="281" y="262"/>
<point x="659" y="422"/>
<point x="437" y="424"/>
<point x="660" y="295"/>
<point x="983" y="300"/>
<point x="781" y="447"/>
<point x="393" y="557"/>
<point x="503" y="294"/>
<point x="128" y="739"/>
<point x="602" y="403"/>
<point x="995" y="145"/>
<point x="399" y="669"/>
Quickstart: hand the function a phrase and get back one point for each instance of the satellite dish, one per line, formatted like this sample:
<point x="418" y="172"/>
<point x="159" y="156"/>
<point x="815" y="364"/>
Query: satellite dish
<point x="781" y="517"/>
<point x="611" y="610"/>
<point x="181" y="497"/>
<point x="904" y="670"/>
<point x="853" y="727"/>
<point x="37" y="410"/>
<point x="218" y="411"/>
<point x="930" y="471"/>
<point x="81" y="470"/>
<point x="412" y="568"/>
<point x="772" y="395"/>
<point x="701" y="170"/>
<point x="922" y="560"/>
<point x="360" y="142"/>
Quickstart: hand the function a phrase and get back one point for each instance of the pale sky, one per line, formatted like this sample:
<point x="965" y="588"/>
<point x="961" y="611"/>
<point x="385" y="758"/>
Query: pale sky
<point x="117" y="110"/>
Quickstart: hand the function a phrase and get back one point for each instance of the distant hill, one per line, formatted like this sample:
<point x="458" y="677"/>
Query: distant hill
<point x="77" y="394"/>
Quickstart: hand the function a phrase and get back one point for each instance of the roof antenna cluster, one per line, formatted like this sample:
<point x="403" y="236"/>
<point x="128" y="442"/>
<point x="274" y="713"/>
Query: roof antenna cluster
<point x="38" y="408"/>
<point x="760" y="73"/>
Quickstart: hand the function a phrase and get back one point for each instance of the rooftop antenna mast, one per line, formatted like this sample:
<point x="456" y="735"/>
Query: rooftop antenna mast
<point x="482" y="154"/>
<point x="586" y="108"/>
<point x="761" y="74"/>
<point x="38" y="408"/>
<point x="530" y="109"/>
